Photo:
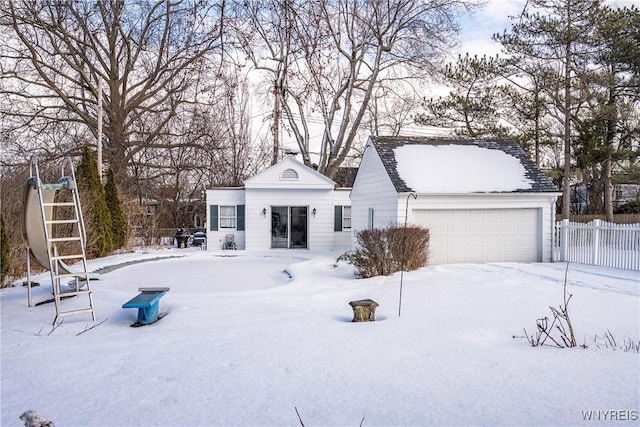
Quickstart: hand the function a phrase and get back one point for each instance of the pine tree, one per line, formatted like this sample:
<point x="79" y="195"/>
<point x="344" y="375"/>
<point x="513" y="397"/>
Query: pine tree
<point x="4" y="250"/>
<point x="473" y="106"/>
<point x="98" y="217"/>
<point x="613" y="88"/>
<point x="118" y="223"/>
<point x="556" y="34"/>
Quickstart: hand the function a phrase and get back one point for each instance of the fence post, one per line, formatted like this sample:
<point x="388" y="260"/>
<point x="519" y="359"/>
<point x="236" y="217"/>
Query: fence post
<point x="564" y="240"/>
<point x="595" y="250"/>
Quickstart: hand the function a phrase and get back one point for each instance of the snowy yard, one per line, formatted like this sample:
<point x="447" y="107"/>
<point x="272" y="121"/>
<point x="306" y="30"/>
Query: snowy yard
<point x="246" y="343"/>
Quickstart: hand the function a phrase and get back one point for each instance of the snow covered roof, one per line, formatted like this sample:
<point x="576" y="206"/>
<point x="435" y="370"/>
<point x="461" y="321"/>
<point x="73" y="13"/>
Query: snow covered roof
<point x="455" y="165"/>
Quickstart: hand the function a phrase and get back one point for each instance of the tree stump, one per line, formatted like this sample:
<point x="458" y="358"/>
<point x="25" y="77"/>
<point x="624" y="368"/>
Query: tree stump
<point x="364" y="310"/>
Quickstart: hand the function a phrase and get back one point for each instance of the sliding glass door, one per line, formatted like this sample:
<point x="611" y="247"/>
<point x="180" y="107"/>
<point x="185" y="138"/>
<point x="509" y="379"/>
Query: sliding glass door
<point x="289" y="227"/>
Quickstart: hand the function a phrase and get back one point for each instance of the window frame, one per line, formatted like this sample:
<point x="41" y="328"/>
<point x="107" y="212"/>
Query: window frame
<point x="345" y="217"/>
<point x="222" y="217"/>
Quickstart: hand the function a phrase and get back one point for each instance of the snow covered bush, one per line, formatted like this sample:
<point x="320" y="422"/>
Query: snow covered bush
<point x="383" y="251"/>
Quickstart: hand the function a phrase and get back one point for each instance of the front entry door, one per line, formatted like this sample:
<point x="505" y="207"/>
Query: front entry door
<point x="289" y="227"/>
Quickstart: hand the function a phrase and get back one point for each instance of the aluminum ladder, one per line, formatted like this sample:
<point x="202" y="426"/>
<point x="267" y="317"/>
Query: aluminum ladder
<point x="65" y="237"/>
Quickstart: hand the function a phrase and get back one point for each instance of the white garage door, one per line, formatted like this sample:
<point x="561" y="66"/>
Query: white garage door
<point x="481" y="235"/>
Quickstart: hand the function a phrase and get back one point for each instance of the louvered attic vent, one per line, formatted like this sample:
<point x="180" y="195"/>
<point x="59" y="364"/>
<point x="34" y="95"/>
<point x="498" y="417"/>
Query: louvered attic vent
<point x="289" y="175"/>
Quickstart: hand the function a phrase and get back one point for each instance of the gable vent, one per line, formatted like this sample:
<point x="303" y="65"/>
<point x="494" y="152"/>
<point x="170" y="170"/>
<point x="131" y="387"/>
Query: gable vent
<point x="289" y="175"/>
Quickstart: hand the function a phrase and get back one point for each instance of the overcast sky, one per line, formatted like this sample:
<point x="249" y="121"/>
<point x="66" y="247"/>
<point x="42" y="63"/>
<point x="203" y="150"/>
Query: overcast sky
<point x="495" y="18"/>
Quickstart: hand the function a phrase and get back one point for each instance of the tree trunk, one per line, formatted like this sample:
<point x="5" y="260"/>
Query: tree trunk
<point x="276" y="122"/>
<point x="611" y="124"/>
<point x="608" y="190"/>
<point x="566" y="179"/>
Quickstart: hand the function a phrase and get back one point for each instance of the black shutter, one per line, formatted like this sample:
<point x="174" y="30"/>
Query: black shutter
<point x="213" y="217"/>
<point x="240" y="219"/>
<point x="337" y="218"/>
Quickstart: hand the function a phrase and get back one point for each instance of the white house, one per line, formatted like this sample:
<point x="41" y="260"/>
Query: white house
<point x="287" y="206"/>
<point x="483" y="201"/>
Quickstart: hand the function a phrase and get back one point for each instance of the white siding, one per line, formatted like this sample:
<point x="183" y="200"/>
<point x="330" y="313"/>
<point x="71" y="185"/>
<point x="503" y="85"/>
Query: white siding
<point x="320" y="226"/>
<point x="342" y="239"/>
<point x="373" y="189"/>
<point x="224" y="197"/>
<point x="281" y="176"/>
<point x="288" y="183"/>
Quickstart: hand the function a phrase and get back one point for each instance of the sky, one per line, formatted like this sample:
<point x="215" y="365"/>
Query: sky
<point x="495" y="17"/>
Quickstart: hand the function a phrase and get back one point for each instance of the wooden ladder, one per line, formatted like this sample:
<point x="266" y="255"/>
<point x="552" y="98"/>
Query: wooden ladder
<point x="65" y="237"/>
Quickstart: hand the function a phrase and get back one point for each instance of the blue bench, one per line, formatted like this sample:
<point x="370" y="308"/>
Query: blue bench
<point x="147" y="302"/>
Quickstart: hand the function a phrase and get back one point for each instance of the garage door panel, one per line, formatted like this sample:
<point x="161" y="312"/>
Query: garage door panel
<point x="481" y="235"/>
<point x="437" y="239"/>
<point x="510" y="242"/>
<point x="525" y="228"/>
<point x="456" y="226"/>
<point x="492" y="227"/>
<point x="509" y="227"/>
<point x="456" y="242"/>
<point x="438" y="227"/>
<point x="476" y="227"/>
<point x="475" y="242"/>
<point x="492" y="255"/>
<point x="491" y="214"/>
<point x="493" y="242"/>
<point x="473" y="254"/>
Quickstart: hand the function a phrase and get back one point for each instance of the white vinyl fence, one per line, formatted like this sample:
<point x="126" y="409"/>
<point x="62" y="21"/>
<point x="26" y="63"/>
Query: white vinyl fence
<point x="598" y="243"/>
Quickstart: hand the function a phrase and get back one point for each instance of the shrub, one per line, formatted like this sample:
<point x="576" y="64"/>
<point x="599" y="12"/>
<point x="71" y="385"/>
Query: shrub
<point x="114" y="203"/>
<point x="97" y="215"/>
<point x="628" y="208"/>
<point x="384" y="251"/>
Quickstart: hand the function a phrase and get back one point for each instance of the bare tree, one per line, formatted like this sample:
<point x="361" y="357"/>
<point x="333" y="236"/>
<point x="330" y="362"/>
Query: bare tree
<point x="326" y="60"/>
<point x="148" y="54"/>
<point x="263" y="30"/>
<point x="347" y="49"/>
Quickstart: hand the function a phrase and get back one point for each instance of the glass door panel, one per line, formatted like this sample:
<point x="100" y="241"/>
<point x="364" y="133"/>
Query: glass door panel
<point x="289" y="227"/>
<point x="279" y="226"/>
<point x="298" y="227"/>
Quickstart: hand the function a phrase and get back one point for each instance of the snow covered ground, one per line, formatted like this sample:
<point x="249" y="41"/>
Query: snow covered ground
<point x="250" y="338"/>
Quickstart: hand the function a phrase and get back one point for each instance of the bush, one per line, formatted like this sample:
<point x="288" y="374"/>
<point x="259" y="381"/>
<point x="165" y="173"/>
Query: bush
<point x="628" y="208"/>
<point x="118" y="221"/>
<point x="97" y="215"/>
<point x="384" y="251"/>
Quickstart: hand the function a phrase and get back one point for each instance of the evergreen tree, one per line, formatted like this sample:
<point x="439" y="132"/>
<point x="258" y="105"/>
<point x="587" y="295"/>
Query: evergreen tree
<point x="118" y="223"/>
<point x="474" y="103"/>
<point x="4" y="251"/>
<point x="613" y="93"/>
<point x="556" y="34"/>
<point x="97" y="217"/>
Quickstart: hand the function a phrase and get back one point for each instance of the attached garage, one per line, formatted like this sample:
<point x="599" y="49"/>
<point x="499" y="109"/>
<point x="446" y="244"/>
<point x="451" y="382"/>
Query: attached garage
<point x="482" y="200"/>
<point x="482" y="235"/>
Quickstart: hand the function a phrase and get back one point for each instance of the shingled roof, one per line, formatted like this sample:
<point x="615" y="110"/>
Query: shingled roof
<point x="385" y="146"/>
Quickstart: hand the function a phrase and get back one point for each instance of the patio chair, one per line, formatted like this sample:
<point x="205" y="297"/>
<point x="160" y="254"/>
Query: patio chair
<point x="229" y="242"/>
